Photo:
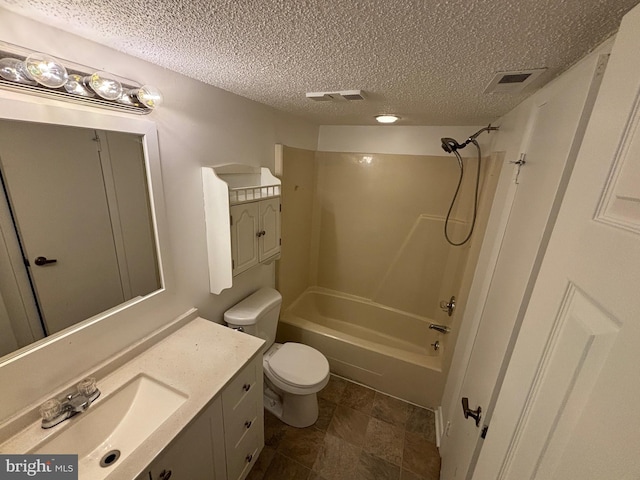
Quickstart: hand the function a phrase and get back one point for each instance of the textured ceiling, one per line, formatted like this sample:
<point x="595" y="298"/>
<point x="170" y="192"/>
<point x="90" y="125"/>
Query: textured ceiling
<point x="426" y="60"/>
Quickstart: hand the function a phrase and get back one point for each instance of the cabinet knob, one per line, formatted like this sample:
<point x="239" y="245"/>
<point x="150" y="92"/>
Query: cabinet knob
<point x="248" y="423"/>
<point x="249" y="457"/>
<point x="261" y="233"/>
<point x="165" y="475"/>
<point x="246" y="387"/>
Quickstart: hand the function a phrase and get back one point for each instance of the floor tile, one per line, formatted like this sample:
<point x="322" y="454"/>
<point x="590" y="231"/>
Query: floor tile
<point x="390" y="410"/>
<point x="283" y="468"/>
<point x="302" y="445"/>
<point x="326" y="410"/>
<point x="262" y="464"/>
<point x="407" y="475"/>
<point x="349" y="425"/>
<point x="274" y="430"/>
<point x="360" y="434"/>
<point x="385" y="441"/>
<point x="371" y="467"/>
<point x="422" y="421"/>
<point x="421" y="456"/>
<point x="334" y="389"/>
<point x="337" y="460"/>
<point x="358" y="397"/>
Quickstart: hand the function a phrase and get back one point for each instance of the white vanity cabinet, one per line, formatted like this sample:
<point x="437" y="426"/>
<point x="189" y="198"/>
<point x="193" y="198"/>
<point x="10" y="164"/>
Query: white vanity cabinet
<point x="224" y="441"/>
<point x="197" y="453"/>
<point x="242" y="216"/>
<point x="243" y="420"/>
<point x="255" y="233"/>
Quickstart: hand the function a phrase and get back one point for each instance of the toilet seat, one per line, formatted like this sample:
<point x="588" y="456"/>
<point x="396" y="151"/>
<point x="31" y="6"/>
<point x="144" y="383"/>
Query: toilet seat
<point x="296" y="368"/>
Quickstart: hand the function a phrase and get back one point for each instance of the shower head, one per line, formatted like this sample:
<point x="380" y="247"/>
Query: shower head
<point x="449" y="145"/>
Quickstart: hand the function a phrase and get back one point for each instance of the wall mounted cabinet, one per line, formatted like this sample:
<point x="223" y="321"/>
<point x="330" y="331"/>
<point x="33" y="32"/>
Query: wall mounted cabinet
<point x="242" y="213"/>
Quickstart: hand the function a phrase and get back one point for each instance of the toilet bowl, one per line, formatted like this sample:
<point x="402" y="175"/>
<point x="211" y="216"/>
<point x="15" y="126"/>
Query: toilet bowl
<point x="294" y="373"/>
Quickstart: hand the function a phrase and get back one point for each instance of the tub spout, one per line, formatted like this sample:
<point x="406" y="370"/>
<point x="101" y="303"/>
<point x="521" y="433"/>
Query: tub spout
<point x="439" y="328"/>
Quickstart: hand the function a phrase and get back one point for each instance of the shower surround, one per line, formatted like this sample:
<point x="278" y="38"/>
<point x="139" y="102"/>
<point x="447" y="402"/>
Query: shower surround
<point x="366" y="270"/>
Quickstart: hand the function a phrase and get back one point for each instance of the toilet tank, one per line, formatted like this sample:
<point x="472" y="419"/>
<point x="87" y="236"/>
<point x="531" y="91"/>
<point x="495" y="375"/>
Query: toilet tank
<point x="257" y="315"/>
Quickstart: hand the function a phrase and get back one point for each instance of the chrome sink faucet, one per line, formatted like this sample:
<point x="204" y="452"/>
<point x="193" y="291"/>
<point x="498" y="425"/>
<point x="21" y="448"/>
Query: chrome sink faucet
<point x="55" y="411"/>
<point x="439" y="328"/>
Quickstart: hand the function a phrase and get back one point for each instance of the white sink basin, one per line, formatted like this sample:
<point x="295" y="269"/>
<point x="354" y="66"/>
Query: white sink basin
<point x="120" y="421"/>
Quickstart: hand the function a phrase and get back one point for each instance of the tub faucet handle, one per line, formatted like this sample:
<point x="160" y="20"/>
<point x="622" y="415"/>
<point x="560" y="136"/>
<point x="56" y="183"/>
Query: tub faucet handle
<point x="439" y="328"/>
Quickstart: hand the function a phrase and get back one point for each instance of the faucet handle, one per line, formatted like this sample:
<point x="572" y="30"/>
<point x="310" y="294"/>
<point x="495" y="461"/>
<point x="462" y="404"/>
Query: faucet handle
<point x="87" y="387"/>
<point x="50" y="409"/>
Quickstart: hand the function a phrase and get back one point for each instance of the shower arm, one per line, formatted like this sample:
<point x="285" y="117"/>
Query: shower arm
<point x="472" y="138"/>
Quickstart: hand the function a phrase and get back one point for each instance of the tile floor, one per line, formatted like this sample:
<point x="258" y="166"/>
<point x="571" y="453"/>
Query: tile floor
<point x="360" y="434"/>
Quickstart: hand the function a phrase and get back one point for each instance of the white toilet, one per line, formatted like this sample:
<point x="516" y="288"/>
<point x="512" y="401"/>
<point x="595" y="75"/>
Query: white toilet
<point x="293" y="372"/>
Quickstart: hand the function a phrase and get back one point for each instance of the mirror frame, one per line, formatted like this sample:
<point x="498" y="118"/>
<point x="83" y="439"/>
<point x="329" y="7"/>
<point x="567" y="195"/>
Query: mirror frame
<point x="18" y="108"/>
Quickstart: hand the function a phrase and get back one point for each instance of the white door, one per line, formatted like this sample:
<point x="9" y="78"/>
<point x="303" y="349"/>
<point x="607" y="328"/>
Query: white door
<point x="245" y="225"/>
<point x="269" y="244"/>
<point x="61" y="213"/>
<point x="555" y="118"/>
<point x="568" y="407"/>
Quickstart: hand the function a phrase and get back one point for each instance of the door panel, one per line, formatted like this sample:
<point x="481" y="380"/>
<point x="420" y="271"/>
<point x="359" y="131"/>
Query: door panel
<point x="270" y="224"/>
<point x="244" y="242"/>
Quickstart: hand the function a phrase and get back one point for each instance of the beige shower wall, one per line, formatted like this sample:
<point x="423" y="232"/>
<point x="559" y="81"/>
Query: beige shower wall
<point x="298" y="186"/>
<point x="377" y="227"/>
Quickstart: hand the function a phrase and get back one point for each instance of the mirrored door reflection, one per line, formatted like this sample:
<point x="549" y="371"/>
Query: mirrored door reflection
<point x="79" y="205"/>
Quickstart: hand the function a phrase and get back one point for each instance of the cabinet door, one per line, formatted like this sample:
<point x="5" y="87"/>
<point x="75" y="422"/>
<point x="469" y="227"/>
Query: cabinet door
<point x="269" y="244"/>
<point x="244" y="239"/>
<point x="194" y="453"/>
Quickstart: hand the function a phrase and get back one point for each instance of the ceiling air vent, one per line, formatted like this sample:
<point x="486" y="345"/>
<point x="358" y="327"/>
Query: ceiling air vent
<point x="513" y="82"/>
<point x="341" y="95"/>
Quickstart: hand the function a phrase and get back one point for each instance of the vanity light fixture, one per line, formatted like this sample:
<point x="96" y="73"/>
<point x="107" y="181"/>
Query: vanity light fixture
<point x="40" y="74"/>
<point x="387" y="118"/>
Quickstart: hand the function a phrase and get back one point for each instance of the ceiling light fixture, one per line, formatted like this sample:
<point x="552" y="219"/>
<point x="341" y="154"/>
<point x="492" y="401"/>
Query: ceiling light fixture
<point x="40" y="74"/>
<point x="386" y="118"/>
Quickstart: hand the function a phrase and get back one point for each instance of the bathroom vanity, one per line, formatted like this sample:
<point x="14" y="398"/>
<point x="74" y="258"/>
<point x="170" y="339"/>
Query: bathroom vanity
<point x="185" y="403"/>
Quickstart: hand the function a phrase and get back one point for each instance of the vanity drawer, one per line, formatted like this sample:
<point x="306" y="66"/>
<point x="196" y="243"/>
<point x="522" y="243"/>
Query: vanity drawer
<point x="241" y="458"/>
<point x="243" y="386"/>
<point x="238" y="424"/>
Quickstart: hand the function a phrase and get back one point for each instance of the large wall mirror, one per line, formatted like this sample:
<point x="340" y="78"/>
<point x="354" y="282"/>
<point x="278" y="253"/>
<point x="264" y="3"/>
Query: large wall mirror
<point x="78" y="226"/>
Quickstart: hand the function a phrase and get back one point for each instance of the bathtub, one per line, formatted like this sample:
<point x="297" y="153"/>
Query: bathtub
<point x="384" y="348"/>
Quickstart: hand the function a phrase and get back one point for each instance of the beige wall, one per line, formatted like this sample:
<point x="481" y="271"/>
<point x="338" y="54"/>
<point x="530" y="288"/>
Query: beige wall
<point x="298" y="186"/>
<point x="378" y="227"/>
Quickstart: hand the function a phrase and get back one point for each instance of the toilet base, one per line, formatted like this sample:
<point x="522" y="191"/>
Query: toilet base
<point x="272" y="402"/>
<point x="296" y="410"/>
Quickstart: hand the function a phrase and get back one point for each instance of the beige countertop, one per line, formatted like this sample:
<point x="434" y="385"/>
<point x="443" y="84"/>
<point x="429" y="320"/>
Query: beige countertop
<point x="198" y="359"/>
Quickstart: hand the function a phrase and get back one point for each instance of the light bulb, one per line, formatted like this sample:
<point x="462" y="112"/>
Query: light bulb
<point x="105" y="85"/>
<point x="46" y="70"/>
<point x="149" y="96"/>
<point x="76" y="86"/>
<point x="14" y="70"/>
<point x="127" y="99"/>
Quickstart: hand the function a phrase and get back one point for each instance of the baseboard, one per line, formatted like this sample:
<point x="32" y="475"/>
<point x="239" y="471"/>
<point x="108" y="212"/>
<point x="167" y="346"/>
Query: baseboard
<point x="439" y="425"/>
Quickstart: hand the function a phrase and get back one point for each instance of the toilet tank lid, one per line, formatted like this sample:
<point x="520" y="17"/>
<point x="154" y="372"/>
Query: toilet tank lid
<point x="253" y="307"/>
